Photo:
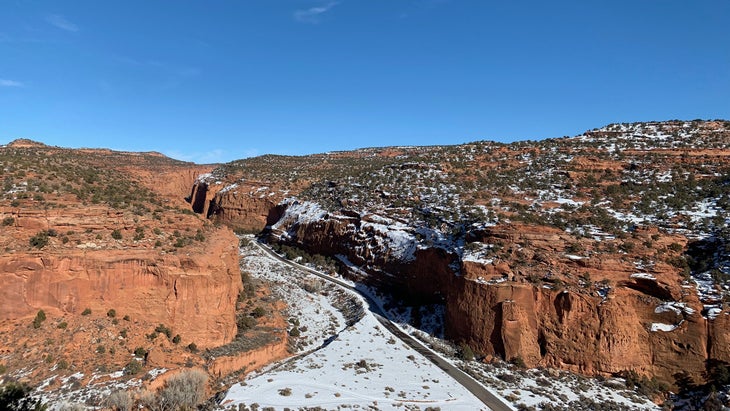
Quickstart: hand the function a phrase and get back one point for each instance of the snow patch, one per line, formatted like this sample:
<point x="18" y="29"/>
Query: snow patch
<point x="662" y="327"/>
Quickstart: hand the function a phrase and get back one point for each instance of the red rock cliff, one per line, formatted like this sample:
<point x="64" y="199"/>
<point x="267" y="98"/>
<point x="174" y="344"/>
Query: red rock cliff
<point x="194" y="293"/>
<point x="243" y="206"/>
<point x="545" y="306"/>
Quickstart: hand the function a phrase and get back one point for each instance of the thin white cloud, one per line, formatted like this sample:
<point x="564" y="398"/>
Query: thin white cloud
<point x="313" y="15"/>
<point x="61" y="22"/>
<point x="10" y="83"/>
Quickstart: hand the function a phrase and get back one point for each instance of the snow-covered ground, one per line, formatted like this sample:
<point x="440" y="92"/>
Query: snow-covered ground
<point x="316" y="311"/>
<point x="99" y="387"/>
<point x="366" y="367"/>
<point x="363" y="366"/>
<point x="559" y="389"/>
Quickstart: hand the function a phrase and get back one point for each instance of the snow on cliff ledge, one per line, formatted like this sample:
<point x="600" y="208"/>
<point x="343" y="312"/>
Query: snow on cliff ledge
<point x="298" y="212"/>
<point x="386" y="234"/>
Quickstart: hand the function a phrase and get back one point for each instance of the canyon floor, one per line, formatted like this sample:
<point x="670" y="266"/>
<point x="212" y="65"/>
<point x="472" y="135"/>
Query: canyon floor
<point x="364" y="366"/>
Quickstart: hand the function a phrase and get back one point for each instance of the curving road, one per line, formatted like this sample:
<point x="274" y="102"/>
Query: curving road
<point x="492" y="401"/>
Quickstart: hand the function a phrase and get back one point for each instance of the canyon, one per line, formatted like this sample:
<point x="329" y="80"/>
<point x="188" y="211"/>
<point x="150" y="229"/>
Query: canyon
<point x="560" y="253"/>
<point x="600" y="254"/>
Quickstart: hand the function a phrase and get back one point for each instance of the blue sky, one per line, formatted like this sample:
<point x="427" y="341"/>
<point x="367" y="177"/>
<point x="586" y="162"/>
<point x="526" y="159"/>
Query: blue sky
<point x="212" y="81"/>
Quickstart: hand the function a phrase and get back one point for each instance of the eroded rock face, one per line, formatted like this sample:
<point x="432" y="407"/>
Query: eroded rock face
<point x="547" y="309"/>
<point x="533" y="248"/>
<point x="245" y="207"/>
<point x="173" y="183"/>
<point x="193" y="293"/>
<point x="618" y="320"/>
<point x="103" y="229"/>
<point x="573" y="331"/>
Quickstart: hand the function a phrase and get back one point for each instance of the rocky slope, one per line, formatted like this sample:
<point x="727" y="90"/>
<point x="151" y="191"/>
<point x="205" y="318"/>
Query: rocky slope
<point x="104" y="244"/>
<point x="599" y="253"/>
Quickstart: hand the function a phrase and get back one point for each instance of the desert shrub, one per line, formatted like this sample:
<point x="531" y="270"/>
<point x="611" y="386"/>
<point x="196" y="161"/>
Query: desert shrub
<point x="717" y="373"/>
<point x="39" y="318"/>
<point x="111" y="313"/>
<point x="681" y="263"/>
<point x="163" y="330"/>
<point x="3" y="369"/>
<point x="140" y="352"/>
<point x="176" y="339"/>
<point x="7" y="221"/>
<point x="249" y="286"/>
<point x="676" y="247"/>
<point x="575" y="247"/>
<point x="62" y="364"/>
<point x="294" y="332"/>
<point x="116" y="234"/>
<point x="193" y="347"/>
<point x="184" y="391"/>
<point x="642" y="384"/>
<point x="258" y="312"/>
<point x="16" y="397"/>
<point x="132" y="367"/>
<point x="246" y="322"/>
<point x="119" y="401"/>
<point x="71" y="406"/>
<point x="518" y="362"/>
<point x="39" y="240"/>
<point x="285" y="392"/>
<point x="508" y="378"/>
<point x="465" y="352"/>
<point x="86" y="311"/>
<point x="626" y="246"/>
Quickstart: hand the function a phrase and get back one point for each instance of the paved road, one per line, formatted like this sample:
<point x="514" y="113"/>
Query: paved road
<point x="490" y="400"/>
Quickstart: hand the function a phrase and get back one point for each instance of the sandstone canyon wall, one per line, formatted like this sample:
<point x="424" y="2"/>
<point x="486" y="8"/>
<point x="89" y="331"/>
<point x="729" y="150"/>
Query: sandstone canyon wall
<point x="245" y="207"/>
<point x="599" y="253"/>
<point x="652" y="325"/>
<point x="194" y="293"/>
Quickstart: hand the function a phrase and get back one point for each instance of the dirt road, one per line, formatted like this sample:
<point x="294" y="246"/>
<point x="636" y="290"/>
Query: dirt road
<point x="490" y="400"/>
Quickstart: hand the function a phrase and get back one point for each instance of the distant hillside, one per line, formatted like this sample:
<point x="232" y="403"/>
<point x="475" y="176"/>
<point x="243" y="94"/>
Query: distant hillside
<point x="105" y="273"/>
<point x="619" y="234"/>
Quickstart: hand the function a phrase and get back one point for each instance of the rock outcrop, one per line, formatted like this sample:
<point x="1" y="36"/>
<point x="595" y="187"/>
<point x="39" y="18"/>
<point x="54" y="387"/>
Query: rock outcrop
<point x="105" y="245"/>
<point x="252" y="360"/>
<point x="194" y="293"/>
<point x="579" y="332"/>
<point x="244" y="207"/>
<point x="172" y="183"/>
<point x="569" y="253"/>
<point x="535" y="301"/>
